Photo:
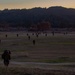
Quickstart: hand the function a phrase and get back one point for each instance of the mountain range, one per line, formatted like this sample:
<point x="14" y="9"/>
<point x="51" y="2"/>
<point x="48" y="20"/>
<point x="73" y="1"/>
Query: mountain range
<point x="59" y="17"/>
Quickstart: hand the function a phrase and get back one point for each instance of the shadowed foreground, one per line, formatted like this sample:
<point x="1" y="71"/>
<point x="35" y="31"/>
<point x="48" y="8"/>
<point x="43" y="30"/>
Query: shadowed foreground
<point x="32" y="71"/>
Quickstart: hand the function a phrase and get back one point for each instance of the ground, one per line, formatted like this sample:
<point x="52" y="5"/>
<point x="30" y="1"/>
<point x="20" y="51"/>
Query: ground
<point x="57" y="48"/>
<point x="50" y="49"/>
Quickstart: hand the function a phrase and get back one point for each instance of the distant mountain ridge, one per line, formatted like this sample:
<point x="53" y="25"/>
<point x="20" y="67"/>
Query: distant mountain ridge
<point x="58" y="17"/>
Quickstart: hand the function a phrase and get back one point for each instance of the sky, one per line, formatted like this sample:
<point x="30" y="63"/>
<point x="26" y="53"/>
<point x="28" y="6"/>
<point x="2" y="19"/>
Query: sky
<point x="21" y="4"/>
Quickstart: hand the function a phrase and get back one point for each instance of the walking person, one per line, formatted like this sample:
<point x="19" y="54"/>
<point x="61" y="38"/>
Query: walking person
<point x="6" y="57"/>
<point x="33" y="42"/>
<point x="17" y="35"/>
<point x="53" y="33"/>
<point x="46" y="34"/>
<point x="6" y="35"/>
<point x="0" y="41"/>
<point x="29" y="37"/>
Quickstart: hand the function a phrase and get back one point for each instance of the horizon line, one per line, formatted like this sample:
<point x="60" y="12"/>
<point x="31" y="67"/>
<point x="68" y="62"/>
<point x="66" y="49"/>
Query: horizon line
<point x="34" y="7"/>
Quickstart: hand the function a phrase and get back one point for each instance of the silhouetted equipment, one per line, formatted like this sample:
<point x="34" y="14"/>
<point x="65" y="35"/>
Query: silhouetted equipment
<point x="6" y="57"/>
<point x="33" y="42"/>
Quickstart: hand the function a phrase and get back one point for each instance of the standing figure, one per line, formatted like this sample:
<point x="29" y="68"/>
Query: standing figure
<point x="37" y="35"/>
<point x="29" y="37"/>
<point x="6" y="57"/>
<point x="0" y="41"/>
<point x="17" y="35"/>
<point x="32" y="33"/>
<point x="46" y="34"/>
<point x="53" y="33"/>
<point x="27" y="34"/>
<point x="33" y="42"/>
<point x="6" y="35"/>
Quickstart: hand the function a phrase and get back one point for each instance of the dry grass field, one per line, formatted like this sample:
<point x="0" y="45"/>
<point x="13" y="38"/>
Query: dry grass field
<point x="50" y="49"/>
<point x="57" y="48"/>
<point x="32" y="71"/>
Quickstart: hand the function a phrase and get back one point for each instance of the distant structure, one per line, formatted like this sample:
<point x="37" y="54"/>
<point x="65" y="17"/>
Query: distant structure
<point x="42" y="26"/>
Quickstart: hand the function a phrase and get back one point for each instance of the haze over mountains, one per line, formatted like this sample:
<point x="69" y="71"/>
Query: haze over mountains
<point x="58" y="17"/>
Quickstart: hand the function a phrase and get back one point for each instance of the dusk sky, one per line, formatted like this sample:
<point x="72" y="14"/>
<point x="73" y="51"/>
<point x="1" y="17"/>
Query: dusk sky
<point x="20" y="4"/>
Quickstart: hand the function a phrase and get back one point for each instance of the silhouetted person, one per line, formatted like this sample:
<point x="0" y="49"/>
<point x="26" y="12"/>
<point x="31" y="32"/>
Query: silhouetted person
<point x="46" y="34"/>
<point x="32" y="33"/>
<point x="29" y="37"/>
<point x="27" y="34"/>
<point x="64" y="33"/>
<point x="17" y="35"/>
<point x="0" y="41"/>
<point x="9" y="51"/>
<point x="6" y="57"/>
<point x="37" y="35"/>
<point x="53" y="33"/>
<point x="6" y="35"/>
<point x="33" y="42"/>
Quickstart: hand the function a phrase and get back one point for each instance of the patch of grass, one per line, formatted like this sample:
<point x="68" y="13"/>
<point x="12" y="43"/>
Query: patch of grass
<point x="62" y="60"/>
<point x="32" y="71"/>
<point x="13" y="71"/>
<point x="58" y="60"/>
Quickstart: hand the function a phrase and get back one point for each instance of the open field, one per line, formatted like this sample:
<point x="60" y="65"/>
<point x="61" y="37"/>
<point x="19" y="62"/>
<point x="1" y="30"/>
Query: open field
<point x="32" y="71"/>
<point x="57" y="48"/>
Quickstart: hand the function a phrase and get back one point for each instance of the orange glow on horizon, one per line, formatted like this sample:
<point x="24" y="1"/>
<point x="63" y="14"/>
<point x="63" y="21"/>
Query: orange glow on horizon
<point x="35" y="3"/>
